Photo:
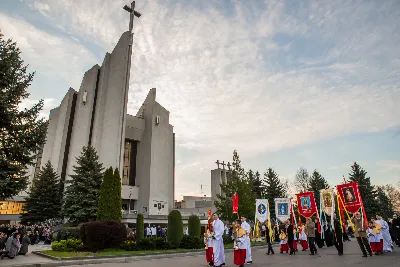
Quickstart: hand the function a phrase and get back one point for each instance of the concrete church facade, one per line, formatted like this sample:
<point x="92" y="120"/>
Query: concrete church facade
<point x="142" y="146"/>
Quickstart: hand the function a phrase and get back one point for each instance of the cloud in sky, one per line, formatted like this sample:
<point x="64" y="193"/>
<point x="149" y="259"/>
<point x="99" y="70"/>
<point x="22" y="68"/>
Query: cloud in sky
<point x="258" y="77"/>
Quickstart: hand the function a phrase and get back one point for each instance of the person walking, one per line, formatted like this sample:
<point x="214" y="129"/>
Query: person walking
<point x="338" y="237"/>
<point x="310" y="232"/>
<point x="361" y="234"/>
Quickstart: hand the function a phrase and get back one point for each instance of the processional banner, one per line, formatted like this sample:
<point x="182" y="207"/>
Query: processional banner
<point x="262" y="213"/>
<point x="306" y="204"/>
<point x="350" y="196"/>
<point x="282" y="209"/>
<point x="327" y="201"/>
<point x="235" y="203"/>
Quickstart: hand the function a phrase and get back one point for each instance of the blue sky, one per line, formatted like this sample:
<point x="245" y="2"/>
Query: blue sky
<point x="286" y="83"/>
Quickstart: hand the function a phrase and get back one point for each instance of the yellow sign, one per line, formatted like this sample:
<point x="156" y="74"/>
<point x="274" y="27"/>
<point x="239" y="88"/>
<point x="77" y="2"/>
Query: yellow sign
<point x="11" y="208"/>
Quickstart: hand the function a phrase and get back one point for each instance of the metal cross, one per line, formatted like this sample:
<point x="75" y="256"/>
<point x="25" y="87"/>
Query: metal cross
<point x="218" y="163"/>
<point x="133" y="13"/>
<point x="229" y="165"/>
<point x="223" y="164"/>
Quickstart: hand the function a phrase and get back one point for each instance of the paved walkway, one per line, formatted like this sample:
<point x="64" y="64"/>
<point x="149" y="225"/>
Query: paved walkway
<point x="29" y="258"/>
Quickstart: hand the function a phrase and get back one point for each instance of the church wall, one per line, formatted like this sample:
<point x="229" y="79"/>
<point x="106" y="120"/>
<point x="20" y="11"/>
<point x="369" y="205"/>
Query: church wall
<point x="50" y="136"/>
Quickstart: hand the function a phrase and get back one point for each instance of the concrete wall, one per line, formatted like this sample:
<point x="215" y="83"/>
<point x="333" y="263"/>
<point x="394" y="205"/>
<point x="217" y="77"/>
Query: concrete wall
<point x="135" y="128"/>
<point x="83" y="117"/>
<point x="218" y="176"/>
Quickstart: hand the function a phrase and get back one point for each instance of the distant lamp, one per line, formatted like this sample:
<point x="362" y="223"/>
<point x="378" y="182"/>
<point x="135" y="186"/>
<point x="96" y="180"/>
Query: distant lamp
<point x="84" y="98"/>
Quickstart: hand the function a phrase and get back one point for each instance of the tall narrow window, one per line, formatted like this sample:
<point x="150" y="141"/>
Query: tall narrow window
<point x="129" y="172"/>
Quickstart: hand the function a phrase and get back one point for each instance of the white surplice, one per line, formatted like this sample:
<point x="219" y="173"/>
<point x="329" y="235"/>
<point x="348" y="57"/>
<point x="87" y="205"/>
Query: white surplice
<point x="387" y="239"/>
<point x="219" y="254"/>
<point x="247" y="227"/>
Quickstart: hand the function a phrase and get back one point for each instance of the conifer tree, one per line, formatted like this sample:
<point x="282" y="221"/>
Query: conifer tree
<point x="256" y="183"/>
<point x="273" y="189"/>
<point x="82" y="195"/>
<point x="367" y="191"/>
<point x="316" y="184"/>
<point x="22" y="133"/>
<point x="110" y="202"/>
<point x="237" y="182"/>
<point x="44" y="199"/>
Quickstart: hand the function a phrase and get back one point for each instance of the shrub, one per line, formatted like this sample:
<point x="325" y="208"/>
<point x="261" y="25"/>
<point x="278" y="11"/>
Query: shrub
<point x="194" y="226"/>
<point x="152" y="243"/>
<point x="99" y="235"/>
<point x="139" y="227"/>
<point x="175" y="228"/>
<point x="191" y="242"/>
<point x="67" y="245"/>
<point x="129" y="246"/>
<point x="68" y="233"/>
<point x="110" y="197"/>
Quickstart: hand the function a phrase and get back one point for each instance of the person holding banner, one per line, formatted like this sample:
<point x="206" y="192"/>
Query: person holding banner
<point x="219" y="255"/>
<point x="268" y="237"/>
<point x="338" y="236"/>
<point x="247" y="228"/>
<point x="361" y="234"/>
<point x="209" y="242"/>
<point x="310" y="231"/>
<point x="239" y="253"/>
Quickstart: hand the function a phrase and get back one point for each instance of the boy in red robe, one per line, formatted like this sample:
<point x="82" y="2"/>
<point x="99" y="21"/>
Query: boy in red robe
<point x="239" y="253"/>
<point x="209" y="242"/>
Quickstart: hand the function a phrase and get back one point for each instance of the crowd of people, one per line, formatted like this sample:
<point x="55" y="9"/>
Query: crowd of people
<point x="15" y="239"/>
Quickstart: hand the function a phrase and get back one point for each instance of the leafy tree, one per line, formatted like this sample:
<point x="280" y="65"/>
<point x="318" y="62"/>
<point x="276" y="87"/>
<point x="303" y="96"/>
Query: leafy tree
<point x="273" y="189"/>
<point x="237" y="182"/>
<point x="383" y="200"/>
<point x="194" y="226"/>
<point x="317" y="183"/>
<point x="175" y="228"/>
<point x="110" y="197"/>
<point x="139" y="227"/>
<point x="301" y="180"/>
<point x="44" y="199"/>
<point x="22" y="133"/>
<point x="82" y="195"/>
<point x="394" y="197"/>
<point x="256" y="183"/>
<point x="367" y="191"/>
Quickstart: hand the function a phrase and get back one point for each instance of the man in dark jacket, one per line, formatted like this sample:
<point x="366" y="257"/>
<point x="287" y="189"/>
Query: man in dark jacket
<point x="290" y="236"/>
<point x="338" y="237"/>
<point x="396" y="229"/>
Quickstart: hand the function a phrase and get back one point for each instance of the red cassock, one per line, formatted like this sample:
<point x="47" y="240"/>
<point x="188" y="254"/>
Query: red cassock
<point x="304" y="244"/>
<point x="374" y="246"/>
<point x="210" y="255"/>
<point x="380" y="246"/>
<point x="284" y="247"/>
<point x="294" y="244"/>
<point x="239" y="257"/>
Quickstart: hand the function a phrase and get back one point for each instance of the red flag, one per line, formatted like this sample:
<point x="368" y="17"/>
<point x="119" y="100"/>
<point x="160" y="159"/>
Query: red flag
<point x="306" y="204"/>
<point x="209" y="213"/>
<point x="350" y="196"/>
<point x="235" y="203"/>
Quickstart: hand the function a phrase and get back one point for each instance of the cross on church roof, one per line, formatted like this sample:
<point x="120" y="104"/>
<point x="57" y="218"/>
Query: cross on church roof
<point x="223" y="164"/>
<point x="218" y="163"/>
<point x="229" y="165"/>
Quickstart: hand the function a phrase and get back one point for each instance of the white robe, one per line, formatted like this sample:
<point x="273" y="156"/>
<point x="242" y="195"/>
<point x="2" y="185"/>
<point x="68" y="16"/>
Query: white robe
<point x="219" y="255"/>
<point x="247" y="227"/>
<point x="387" y="239"/>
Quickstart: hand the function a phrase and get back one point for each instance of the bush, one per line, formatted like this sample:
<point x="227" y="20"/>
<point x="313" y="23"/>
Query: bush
<point x="152" y="243"/>
<point x="129" y="246"/>
<point x="139" y="227"/>
<point x="191" y="242"/>
<point x="67" y="245"/>
<point x="99" y="235"/>
<point x="227" y="239"/>
<point x="175" y="228"/>
<point x="194" y="226"/>
<point x="69" y="233"/>
<point x="110" y="197"/>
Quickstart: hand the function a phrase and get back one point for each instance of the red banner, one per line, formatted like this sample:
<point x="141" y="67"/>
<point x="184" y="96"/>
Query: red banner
<point x="235" y="203"/>
<point x="306" y="204"/>
<point x="209" y="213"/>
<point x="350" y="196"/>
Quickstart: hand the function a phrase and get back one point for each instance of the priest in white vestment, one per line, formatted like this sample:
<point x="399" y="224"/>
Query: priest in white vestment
<point x="387" y="239"/>
<point x="219" y="255"/>
<point x="246" y="226"/>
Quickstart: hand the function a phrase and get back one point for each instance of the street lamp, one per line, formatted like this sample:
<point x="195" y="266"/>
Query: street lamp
<point x="130" y="197"/>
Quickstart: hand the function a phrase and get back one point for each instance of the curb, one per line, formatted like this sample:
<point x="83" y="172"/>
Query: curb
<point x="114" y="259"/>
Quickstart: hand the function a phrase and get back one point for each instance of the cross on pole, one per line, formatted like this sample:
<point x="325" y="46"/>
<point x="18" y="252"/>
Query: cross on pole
<point x="218" y="163"/>
<point x="133" y="14"/>
<point x="223" y="164"/>
<point x="229" y="165"/>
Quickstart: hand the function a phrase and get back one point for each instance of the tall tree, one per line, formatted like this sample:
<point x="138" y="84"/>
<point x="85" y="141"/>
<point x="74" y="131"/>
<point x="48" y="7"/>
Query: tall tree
<point x="82" y="195"/>
<point x="383" y="200"/>
<point x="256" y="183"/>
<point x="22" y="133"/>
<point x="110" y="202"/>
<point x="367" y="191"/>
<point x="237" y="182"/>
<point x="317" y="183"/>
<point x="273" y="189"/>
<point x="301" y="180"/>
<point x="394" y="196"/>
<point x="44" y="200"/>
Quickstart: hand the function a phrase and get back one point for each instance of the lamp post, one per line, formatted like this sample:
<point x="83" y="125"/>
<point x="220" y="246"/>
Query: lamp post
<point x="130" y="197"/>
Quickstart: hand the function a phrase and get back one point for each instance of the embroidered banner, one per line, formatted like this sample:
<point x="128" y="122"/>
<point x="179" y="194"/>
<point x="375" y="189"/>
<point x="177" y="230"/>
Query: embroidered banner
<point x="235" y="203"/>
<point x="327" y="201"/>
<point x="350" y="196"/>
<point x="262" y="210"/>
<point x="282" y="209"/>
<point x="306" y="204"/>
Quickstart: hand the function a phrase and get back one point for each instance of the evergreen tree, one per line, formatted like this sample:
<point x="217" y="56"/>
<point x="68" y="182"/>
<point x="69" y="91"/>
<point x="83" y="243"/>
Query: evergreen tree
<point x="237" y="182"/>
<point x="22" y="133"/>
<point x="110" y="202"/>
<point x="273" y="189"/>
<point x="301" y="180"/>
<point x="256" y="183"/>
<point x="175" y="228"/>
<point x="383" y="200"/>
<point x="194" y="226"/>
<point x="82" y="195"/>
<point x="139" y="227"/>
<point x="367" y="191"/>
<point x="44" y="199"/>
<point x="316" y="184"/>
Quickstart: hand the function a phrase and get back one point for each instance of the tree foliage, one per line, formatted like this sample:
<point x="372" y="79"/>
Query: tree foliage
<point x="22" y="132"/>
<point x="194" y="226"/>
<point x="139" y="227"/>
<point x="383" y="200"/>
<point x="367" y="191"/>
<point x="44" y="199"/>
<point x="256" y="183"/>
<point x="175" y="228"/>
<point x="316" y="184"/>
<point x="301" y="180"/>
<point x="393" y="194"/>
<point x="238" y="183"/>
<point x="110" y="202"/>
<point x="273" y="189"/>
<point x="82" y="195"/>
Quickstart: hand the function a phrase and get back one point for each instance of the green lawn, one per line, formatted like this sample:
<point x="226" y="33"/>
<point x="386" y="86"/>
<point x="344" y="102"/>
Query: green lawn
<point x="120" y="252"/>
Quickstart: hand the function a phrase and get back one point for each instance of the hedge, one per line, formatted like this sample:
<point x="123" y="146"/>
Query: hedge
<point x="99" y="235"/>
<point x="157" y="243"/>
<point x="175" y="228"/>
<point x="139" y="227"/>
<point x="194" y="226"/>
<point x="67" y="245"/>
